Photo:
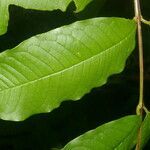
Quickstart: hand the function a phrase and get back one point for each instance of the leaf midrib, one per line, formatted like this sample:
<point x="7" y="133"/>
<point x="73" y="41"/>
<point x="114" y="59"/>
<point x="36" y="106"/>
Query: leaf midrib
<point x="47" y="76"/>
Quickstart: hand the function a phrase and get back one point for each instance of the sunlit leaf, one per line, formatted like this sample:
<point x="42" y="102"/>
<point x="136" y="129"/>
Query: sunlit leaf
<point x="65" y="63"/>
<point x="120" y="134"/>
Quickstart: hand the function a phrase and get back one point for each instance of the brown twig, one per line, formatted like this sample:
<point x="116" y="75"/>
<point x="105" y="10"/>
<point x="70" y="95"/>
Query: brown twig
<point x="138" y="18"/>
<point x="140" y="106"/>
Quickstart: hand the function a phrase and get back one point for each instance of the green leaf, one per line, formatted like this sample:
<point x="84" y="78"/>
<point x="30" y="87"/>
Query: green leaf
<point x="37" y="5"/>
<point x="91" y="10"/>
<point x="65" y="63"/>
<point x="116" y="135"/>
<point x="145" y="130"/>
<point x="80" y="4"/>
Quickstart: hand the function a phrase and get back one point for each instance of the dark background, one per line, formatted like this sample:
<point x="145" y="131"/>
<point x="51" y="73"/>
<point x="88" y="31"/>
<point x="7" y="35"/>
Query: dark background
<point x="116" y="99"/>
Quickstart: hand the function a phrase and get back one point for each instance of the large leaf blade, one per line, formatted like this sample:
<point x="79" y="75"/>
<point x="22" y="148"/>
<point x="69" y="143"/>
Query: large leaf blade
<point x="37" y="5"/>
<point x="65" y="63"/>
<point x="120" y="134"/>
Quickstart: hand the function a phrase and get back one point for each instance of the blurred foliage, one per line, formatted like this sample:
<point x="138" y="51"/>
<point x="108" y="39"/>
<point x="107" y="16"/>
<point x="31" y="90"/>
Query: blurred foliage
<point x="117" y="98"/>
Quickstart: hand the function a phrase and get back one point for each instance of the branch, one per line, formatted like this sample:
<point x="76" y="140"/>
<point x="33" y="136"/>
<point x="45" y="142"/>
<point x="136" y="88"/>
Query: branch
<point x="138" y="18"/>
<point x="140" y="106"/>
<point x="145" y="21"/>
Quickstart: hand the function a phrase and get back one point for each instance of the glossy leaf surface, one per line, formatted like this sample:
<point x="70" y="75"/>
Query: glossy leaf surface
<point x="120" y="134"/>
<point x="65" y="63"/>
